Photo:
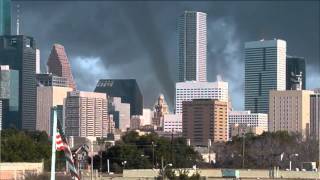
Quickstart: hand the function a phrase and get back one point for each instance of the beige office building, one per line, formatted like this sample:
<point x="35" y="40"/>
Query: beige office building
<point x="47" y="98"/>
<point x="290" y="111"/>
<point x="86" y="114"/>
<point x="239" y="130"/>
<point x="203" y="120"/>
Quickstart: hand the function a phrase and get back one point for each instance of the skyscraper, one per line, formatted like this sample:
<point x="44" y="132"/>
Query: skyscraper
<point x="86" y="114"/>
<point x="19" y="52"/>
<point x="315" y="115"/>
<point x="5" y="17"/>
<point x="127" y="89"/>
<point x="9" y="95"/>
<point x="58" y="64"/>
<point x="47" y="98"/>
<point x="120" y="112"/>
<point x="38" y="61"/>
<point x="265" y="70"/>
<point x="295" y="67"/>
<point x="204" y="119"/>
<point x="192" y="29"/>
<point x="187" y="91"/>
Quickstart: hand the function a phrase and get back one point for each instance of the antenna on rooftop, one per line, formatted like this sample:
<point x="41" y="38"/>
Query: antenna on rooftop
<point x="18" y="19"/>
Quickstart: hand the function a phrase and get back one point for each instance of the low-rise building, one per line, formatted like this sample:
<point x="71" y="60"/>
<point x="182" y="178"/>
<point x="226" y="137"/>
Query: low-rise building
<point x="290" y="111"/>
<point x="172" y="123"/>
<point x="204" y="119"/>
<point x="247" y="118"/>
<point x="242" y="129"/>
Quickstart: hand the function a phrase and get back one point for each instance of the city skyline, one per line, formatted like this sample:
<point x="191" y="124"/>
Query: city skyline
<point x="228" y="29"/>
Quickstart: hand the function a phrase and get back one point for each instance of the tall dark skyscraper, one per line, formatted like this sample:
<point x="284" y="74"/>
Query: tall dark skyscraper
<point x="5" y="17"/>
<point x="19" y="52"/>
<point x="9" y="95"/>
<point x="265" y="70"/>
<point x="296" y="66"/>
<point x="127" y="89"/>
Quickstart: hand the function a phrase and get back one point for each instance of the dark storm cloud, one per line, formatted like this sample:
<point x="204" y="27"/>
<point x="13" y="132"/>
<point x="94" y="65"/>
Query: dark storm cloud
<point x="139" y="40"/>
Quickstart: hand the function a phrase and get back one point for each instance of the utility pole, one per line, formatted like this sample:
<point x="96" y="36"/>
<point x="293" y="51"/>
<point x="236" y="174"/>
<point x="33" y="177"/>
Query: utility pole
<point x="153" y="154"/>
<point x="172" y="145"/>
<point x="243" y="148"/>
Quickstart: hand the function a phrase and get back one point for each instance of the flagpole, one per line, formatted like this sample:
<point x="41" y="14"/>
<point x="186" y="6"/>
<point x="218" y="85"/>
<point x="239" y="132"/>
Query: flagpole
<point x="53" y="149"/>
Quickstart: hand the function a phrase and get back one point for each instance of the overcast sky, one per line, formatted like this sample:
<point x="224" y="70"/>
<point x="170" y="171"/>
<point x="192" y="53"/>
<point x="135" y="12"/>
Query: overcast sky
<point x="138" y="40"/>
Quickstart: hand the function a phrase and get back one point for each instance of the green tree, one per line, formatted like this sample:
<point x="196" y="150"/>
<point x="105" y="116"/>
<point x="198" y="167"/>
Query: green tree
<point x="28" y="146"/>
<point x="140" y="152"/>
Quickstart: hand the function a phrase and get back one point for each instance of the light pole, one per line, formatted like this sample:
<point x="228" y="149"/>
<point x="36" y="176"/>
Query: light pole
<point x="243" y="147"/>
<point x="164" y="170"/>
<point x="153" y="154"/>
<point x="124" y="164"/>
<point x="290" y="163"/>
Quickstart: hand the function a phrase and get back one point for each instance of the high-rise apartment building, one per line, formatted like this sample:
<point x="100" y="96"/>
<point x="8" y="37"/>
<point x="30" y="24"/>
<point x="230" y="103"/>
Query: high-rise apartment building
<point x="49" y="97"/>
<point x="127" y="89"/>
<point x="187" y="91"/>
<point x="315" y="115"/>
<point x="249" y="119"/>
<point x="5" y="17"/>
<point x="192" y="29"/>
<point x="295" y="70"/>
<point x="19" y="52"/>
<point x="86" y="114"/>
<point x="265" y="70"/>
<point x="290" y="111"/>
<point x="205" y="119"/>
<point x="58" y="64"/>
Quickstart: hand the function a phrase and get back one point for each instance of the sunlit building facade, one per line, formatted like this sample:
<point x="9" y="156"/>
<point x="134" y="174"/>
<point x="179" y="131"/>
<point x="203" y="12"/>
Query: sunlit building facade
<point x="192" y="28"/>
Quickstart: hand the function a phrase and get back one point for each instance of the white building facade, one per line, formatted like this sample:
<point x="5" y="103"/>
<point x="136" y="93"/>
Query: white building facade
<point x="187" y="91"/>
<point x="249" y="119"/>
<point x="146" y="117"/>
<point x="265" y="70"/>
<point x="172" y="123"/>
<point x="192" y="29"/>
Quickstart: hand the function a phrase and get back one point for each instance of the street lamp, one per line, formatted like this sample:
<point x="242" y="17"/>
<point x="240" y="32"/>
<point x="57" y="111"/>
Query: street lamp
<point x="292" y="155"/>
<point x="164" y="168"/>
<point x="124" y="164"/>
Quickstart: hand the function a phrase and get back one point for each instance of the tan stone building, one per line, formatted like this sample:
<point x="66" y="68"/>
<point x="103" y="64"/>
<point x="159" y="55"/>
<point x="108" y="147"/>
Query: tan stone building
<point x="47" y="98"/>
<point x="204" y="119"/>
<point x="86" y="114"/>
<point x="290" y="111"/>
<point x="241" y="129"/>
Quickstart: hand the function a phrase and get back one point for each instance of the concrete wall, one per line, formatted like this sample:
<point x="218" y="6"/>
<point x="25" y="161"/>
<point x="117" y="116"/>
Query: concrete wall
<point x="19" y="170"/>
<point x="217" y="173"/>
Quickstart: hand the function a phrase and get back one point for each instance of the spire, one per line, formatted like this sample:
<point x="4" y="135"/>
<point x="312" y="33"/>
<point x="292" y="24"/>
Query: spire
<point x="18" y="19"/>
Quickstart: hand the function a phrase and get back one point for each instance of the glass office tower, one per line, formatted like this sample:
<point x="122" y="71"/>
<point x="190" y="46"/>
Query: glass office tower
<point x="5" y="17"/>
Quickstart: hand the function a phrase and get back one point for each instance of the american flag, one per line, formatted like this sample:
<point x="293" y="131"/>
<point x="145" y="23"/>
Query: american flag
<point x="62" y="145"/>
